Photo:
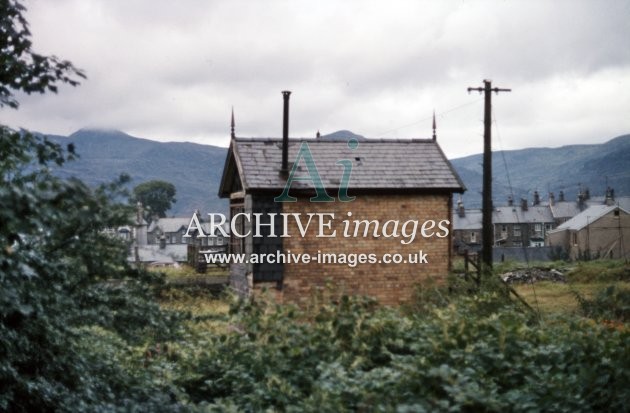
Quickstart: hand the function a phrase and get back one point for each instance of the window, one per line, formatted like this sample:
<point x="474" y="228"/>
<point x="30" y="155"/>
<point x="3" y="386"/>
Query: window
<point x="220" y="241"/>
<point x="210" y="240"/>
<point x="616" y="213"/>
<point x="548" y="227"/>
<point x="473" y="237"/>
<point x="504" y="228"/>
<point x="517" y="230"/>
<point x="537" y="227"/>
<point x="517" y="244"/>
<point x="574" y="238"/>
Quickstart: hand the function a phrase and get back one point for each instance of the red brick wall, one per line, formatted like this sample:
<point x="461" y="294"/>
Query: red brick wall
<point x="390" y="284"/>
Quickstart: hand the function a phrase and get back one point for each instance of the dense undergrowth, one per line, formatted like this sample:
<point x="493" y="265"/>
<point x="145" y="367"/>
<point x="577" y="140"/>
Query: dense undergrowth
<point x="477" y="352"/>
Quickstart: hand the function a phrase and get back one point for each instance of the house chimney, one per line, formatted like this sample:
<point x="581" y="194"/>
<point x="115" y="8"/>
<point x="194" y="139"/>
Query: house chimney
<point x="536" y="198"/>
<point x="552" y="199"/>
<point x="610" y="196"/>
<point x="461" y="211"/>
<point x="510" y="200"/>
<point x="285" y="133"/>
<point x="561" y="196"/>
<point x="587" y="194"/>
<point x="580" y="200"/>
<point x="524" y="204"/>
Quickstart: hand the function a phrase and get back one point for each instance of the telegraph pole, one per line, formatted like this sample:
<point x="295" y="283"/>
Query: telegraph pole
<point x="486" y="235"/>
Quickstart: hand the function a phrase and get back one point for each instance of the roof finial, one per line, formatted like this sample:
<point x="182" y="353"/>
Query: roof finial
<point x="434" y="136"/>
<point x="232" y="134"/>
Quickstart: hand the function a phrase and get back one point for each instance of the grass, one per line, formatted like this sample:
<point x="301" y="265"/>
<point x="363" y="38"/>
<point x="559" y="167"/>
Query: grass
<point x="209" y="311"/>
<point x="187" y="271"/>
<point x="559" y="298"/>
<point x="585" y="278"/>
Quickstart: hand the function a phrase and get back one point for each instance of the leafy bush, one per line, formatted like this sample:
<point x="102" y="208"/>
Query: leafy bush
<point x="61" y="275"/>
<point x="356" y="356"/>
<point x="610" y="303"/>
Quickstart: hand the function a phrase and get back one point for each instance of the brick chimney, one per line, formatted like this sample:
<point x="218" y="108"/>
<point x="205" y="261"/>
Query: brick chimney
<point x="524" y="204"/>
<point x="580" y="200"/>
<point x="536" y="198"/>
<point x="552" y="199"/>
<point x="561" y="196"/>
<point x="510" y="200"/>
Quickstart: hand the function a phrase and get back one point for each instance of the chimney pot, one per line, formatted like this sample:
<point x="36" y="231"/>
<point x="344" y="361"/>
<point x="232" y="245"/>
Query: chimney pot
<point x="524" y="204"/>
<point x="461" y="211"/>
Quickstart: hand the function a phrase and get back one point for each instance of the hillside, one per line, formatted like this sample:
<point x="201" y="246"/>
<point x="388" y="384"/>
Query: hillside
<point x="195" y="169"/>
<point x="550" y="169"/>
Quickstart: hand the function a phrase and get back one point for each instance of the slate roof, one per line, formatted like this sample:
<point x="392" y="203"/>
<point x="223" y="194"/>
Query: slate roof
<point x="378" y="164"/>
<point x="587" y="217"/>
<point x="169" y="224"/>
<point x="565" y="209"/>
<point x="516" y="215"/>
<point x="471" y="221"/>
<point x="622" y="201"/>
<point x="569" y="209"/>
<point x="170" y="254"/>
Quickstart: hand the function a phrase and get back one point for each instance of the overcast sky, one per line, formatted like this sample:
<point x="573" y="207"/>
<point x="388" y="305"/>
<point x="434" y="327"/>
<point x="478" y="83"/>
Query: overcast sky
<point x="171" y="70"/>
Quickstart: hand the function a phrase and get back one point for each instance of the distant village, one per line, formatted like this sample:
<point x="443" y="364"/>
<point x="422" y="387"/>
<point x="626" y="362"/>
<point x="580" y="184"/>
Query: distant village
<point x="585" y="227"/>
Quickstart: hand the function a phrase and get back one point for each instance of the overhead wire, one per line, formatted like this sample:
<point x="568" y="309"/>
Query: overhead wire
<point x="509" y="180"/>
<point x="442" y="113"/>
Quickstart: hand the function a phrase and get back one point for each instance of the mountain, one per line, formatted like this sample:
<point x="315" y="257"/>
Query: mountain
<point x="342" y="135"/>
<point x="196" y="169"/>
<point x="545" y="170"/>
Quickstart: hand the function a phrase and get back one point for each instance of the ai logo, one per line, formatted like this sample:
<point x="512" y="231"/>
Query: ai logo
<point x="313" y="176"/>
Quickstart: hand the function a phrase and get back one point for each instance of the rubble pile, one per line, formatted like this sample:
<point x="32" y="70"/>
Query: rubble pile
<point x="532" y="275"/>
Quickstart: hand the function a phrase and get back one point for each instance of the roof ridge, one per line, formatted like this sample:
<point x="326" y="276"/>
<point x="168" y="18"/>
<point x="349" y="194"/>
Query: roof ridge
<point x="367" y="140"/>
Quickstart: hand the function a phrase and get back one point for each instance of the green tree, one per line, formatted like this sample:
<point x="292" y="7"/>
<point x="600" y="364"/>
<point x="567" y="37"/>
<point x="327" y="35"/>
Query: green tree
<point x="157" y="196"/>
<point x="71" y="307"/>
<point x="21" y="68"/>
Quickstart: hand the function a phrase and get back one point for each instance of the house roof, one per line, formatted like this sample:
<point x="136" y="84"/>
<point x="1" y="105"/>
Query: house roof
<point x="587" y="217"/>
<point x="171" y="253"/>
<point x="471" y="221"/>
<point x="516" y="215"/>
<point x="569" y="209"/>
<point x="169" y="224"/>
<point x="377" y="164"/>
<point x="622" y="201"/>
<point x="565" y="209"/>
<point x="176" y="224"/>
